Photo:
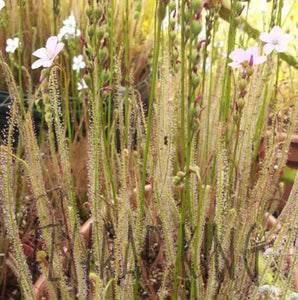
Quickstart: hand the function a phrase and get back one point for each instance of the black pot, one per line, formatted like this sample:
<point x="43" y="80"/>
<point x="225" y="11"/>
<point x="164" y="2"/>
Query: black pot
<point x="5" y="104"/>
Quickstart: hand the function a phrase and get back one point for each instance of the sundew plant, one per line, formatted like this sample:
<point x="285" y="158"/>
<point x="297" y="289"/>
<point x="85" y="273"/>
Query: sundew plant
<point x="144" y="149"/>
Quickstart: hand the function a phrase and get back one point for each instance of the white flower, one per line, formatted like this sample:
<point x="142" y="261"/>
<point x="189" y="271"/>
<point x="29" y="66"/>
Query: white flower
<point x="70" y="24"/>
<point x="267" y="289"/>
<point x="63" y="32"/>
<point x="69" y="28"/>
<point x="78" y="32"/>
<point x="275" y="40"/>
<point x="82" y="85"/>
<point x="248" y="57"/>
<point x="12" y="45"/>
<point x="294" y="296"/>
<point x="47" y="54"/>
<point x="2" y="4"/>
<point x="268" y="252"/>
<point x="78" y="63"/>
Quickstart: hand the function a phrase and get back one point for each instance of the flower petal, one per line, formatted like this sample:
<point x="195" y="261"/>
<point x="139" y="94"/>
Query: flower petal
<point x="265" y="37"/>
<point x="40" y="53"/>
<point x="38" y="63"/>
<point x="234" y="64"/>
<point x="251" y="51"/>
<point x="48" y="62"/>
<point x="284" y="38"/>
<point x="259" y="60"/>
<point x="238" y="55"/>
<point x="276" y="32"/>
<point x="280" y="48"/>
<point x="59" y="47"/>
<point x="76" y="60"/>
<point x="51" y="44"/>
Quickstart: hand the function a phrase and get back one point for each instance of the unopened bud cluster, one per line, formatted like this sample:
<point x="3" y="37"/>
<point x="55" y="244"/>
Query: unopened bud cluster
<point x="97" y="46"/>
<point x="247" y="72"/>
<point x="212" y="15"/>
<point x="173" y="34"/>
<point x="178" y="179"/>
<point x="194" y="113"/>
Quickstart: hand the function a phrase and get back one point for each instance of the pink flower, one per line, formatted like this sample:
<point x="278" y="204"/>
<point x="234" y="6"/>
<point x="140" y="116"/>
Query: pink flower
<point x="275" y="40"/>
<point x="244" y="58"/>
<point x="47" y="55"/>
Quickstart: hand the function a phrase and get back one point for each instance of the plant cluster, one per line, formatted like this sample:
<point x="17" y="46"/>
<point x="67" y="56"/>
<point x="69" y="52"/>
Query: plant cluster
<point x="130" y="161"/>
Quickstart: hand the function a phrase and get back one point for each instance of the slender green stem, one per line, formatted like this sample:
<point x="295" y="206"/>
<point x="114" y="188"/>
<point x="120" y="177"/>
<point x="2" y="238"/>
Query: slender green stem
<point x="151" y="101"/>
<point x="68" y="120"/>
<point x="210" y="95"/>
<point x="22" y="105"/>
<point x="55" y="13"/>
<point x="111" y="19"/>
<point x="183" y="63"/>
<point x="226" y="86"/>
<point x="21" y="92"/>
<point x="180" y="251"/>
<point x="126" y="61"/>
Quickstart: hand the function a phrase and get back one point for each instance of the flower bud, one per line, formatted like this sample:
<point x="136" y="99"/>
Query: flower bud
<point x="249" y="71"/>
<point x="89" y="11"/>
<point x="43" y="75"/>
<point x="161" y="11"/>
<point x="102" y="54"/>
<point x="196" y="28"/>
<point x="172" y="35"/>
<point x="138" y="7"/>
<point x="99" y="33"/>
<point x="187" y="31"/>
<point x="243" y="84"/>
<point x="236" y="117"/>
<point x="192" y="112"/>
<point x="105" y="76"/>
<point x="97" y="13"/>
<point x="172" y="23"/>
<point x="90" y="31"/>
<point x="176" y="180"/>
<point x="237" y="21"/>
<point x="195" y="81"/>
<point x="194" y="58"/>
<point x="239" y="8"/>
<point x="186" y="15"/>
<point x="194" y="126"/>
<point x="175" y="55"/>
<point x="172" y="6"/>
<point x="181" y="174"/>
<point x="136" y="15"/>
<point x="241" y="103"/>
<point x="196" y="4"/>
